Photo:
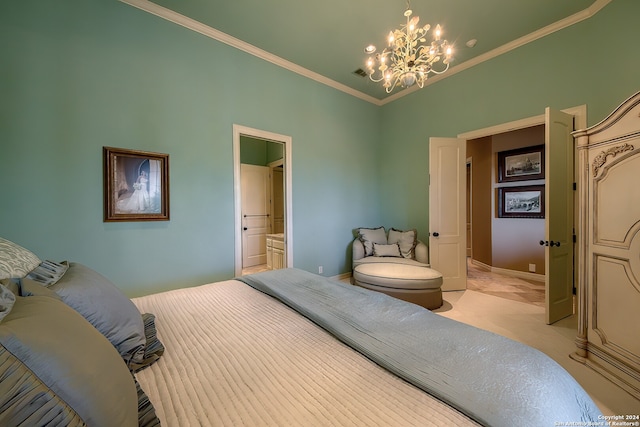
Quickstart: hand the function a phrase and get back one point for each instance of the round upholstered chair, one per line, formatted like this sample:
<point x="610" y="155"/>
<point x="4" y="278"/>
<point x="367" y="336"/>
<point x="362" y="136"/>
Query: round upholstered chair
<point x="412" y="283"/>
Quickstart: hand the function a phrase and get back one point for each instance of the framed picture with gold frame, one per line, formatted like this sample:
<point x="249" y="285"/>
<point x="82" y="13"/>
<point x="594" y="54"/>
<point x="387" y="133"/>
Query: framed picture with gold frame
<point x="136" y="185"/>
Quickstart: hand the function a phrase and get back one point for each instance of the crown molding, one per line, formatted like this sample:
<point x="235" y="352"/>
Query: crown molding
<point x="225" y="38"/>
<point x="205" y="30"/>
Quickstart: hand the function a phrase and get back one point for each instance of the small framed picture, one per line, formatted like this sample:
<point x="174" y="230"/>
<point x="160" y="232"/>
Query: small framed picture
<point x="136" y="185"/>
<point x="523" y="164"/>
<point x="521" y="202"/>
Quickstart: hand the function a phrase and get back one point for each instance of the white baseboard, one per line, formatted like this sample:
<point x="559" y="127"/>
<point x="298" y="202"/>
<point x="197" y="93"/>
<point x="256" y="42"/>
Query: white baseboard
<point x="512" y="273"/>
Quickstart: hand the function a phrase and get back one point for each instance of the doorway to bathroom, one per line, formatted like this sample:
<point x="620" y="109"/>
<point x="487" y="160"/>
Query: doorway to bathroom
<point x="262" y="200"/>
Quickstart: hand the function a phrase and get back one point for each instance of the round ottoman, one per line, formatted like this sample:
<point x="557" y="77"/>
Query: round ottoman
<point x="419" y="285"/>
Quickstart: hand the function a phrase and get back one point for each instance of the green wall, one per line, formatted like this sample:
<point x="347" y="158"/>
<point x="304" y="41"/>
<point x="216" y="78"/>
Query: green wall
<point x="259" y="151"/>
<point x="594" y="62"/>
<point x="78" y="75"/>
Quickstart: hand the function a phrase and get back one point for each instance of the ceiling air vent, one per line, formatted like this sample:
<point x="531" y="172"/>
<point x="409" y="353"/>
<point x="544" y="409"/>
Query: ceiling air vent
<point x="360" y="72"/>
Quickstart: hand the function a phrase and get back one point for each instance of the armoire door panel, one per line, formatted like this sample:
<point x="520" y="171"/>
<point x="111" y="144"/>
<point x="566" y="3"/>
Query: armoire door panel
<point x="613" y="282"/>
<point x="617" y="200"/>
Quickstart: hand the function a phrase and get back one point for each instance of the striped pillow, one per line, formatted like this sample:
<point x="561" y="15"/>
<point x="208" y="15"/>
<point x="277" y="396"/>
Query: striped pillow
<point x="153" y="349"/>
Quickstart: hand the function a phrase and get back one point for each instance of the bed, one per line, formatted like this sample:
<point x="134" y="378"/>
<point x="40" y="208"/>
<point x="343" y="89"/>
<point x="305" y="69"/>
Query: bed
<point x="259" y="351"/>
<point x="284" y="347"/>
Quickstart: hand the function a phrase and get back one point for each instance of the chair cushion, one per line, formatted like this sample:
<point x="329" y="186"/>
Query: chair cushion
<point x="387" y="260"/>
<point x="398" y="276"/>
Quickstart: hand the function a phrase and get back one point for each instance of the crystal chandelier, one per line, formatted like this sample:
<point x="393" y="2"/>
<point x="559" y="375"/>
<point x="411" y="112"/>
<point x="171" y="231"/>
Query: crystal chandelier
<point x="407" y="59"/>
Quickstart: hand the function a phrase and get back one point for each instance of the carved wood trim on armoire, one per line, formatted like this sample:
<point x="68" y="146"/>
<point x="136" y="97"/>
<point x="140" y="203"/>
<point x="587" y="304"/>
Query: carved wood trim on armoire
<point x="608" y="245"/>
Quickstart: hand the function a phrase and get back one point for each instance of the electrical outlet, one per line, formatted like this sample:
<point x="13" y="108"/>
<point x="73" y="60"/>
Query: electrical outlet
<point x="320" y="269"/>
<point x="532" y="268"/>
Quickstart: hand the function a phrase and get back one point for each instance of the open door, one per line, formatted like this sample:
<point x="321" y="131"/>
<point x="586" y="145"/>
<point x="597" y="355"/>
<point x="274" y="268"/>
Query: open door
<point x="559" y="205"/>
<point x="256" y="221"/>
<point x="447" y="219"/>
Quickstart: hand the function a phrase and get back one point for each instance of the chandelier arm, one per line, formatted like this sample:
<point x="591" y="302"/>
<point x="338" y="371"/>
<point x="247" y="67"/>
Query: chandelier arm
<point x="375" y="80"/>
<point x="390" y="88"/>
<point x="439" y="72"/>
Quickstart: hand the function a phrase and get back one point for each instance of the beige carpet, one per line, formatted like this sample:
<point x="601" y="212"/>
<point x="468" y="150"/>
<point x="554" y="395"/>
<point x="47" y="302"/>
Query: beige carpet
<point x="525" y="322"/>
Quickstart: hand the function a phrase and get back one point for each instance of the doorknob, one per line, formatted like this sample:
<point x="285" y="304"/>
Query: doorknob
<point x="435" y="234"/>
<point x="544" y="243"/>
<point x="549" y="243"/>
<point x="552" y="243"/>
<point x="245" y="228"/>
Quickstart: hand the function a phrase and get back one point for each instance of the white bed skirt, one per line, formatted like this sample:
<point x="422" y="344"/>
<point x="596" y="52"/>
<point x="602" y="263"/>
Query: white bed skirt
<point x="235" y="356"/>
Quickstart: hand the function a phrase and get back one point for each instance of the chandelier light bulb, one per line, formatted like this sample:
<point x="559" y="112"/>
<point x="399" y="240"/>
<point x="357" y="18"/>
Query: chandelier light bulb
<point x="438" y="32"/>
<point x="409" y="57"/>
<point x="412" y="24"/>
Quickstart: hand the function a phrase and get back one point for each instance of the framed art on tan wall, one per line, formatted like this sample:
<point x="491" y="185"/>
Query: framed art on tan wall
<point x="522" y="164"/>
<point x="521" y="202"/>
<point x="136" y="185"/>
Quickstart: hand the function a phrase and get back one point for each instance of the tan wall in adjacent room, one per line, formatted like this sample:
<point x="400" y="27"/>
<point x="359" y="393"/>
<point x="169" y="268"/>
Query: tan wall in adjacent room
<point x="516" y="241"/>
<point x="505" y="243"/>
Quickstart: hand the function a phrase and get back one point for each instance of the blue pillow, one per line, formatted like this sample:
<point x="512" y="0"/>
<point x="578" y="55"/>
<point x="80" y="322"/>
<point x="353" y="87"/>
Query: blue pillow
<point x="56" y="369"/>
<point x="101" y="302"/>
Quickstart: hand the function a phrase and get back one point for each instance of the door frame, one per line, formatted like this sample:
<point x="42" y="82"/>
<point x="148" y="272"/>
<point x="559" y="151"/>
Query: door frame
<point x="579" y="112"/>
<point x="469" y="198"/>
<point x="239" y="130"/>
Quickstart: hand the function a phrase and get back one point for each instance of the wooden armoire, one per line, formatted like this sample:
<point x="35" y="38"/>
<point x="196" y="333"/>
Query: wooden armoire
<point x="608" y="261"/>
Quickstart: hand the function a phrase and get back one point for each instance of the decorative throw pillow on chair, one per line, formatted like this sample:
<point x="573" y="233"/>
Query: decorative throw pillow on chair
<point x="369" y="236"/>
<point x="407" y="240"/>
<point x="386" y="250"/>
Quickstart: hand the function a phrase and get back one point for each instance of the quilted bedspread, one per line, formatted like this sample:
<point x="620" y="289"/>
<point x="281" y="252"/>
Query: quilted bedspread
<point x="492" y="379"/>
<point x="235" y="356"/>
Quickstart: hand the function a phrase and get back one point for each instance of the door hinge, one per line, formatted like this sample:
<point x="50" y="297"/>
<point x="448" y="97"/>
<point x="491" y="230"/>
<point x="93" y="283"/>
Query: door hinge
<point x="575" y="238"/>
<point x="575" y="186"/>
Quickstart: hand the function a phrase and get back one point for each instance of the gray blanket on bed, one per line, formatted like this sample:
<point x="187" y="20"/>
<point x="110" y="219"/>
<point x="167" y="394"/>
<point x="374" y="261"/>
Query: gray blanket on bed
<point x="490" y="378"/>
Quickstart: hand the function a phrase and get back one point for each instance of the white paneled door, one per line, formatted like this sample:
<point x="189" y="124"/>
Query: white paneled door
<point x="256" y="195"/>
<point x="447" y="219"/>
<point x="558" y="241"/>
